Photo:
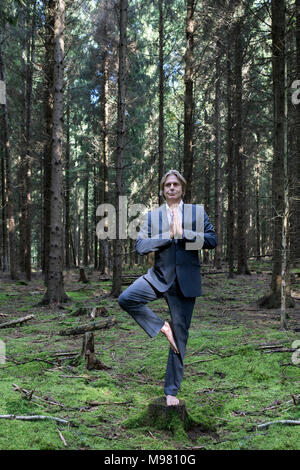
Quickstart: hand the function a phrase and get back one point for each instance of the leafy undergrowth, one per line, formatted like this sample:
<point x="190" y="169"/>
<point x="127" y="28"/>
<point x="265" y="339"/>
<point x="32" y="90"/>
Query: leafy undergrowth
<point x="232" y="382"/>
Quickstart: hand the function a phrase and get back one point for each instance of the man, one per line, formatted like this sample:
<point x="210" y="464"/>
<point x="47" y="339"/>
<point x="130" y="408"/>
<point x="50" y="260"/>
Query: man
<point x="175" y="275"/>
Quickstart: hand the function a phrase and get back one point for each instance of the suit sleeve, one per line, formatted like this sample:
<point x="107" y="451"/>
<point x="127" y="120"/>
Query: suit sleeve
<point x="207" y="239"/>
<point x="210" y="236"/>
<point x="146" y="244"/>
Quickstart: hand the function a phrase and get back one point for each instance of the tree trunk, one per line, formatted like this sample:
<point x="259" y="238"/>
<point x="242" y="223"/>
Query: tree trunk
<point x="55" y="286"/>
<point x="22" y="158"/>
<point x="188" y="157"/>
<point x="30" y="60"/>
<point x="105" y="145"/>
<point x="9" y="185"/>
<point x="207" y="175"/>
<point x="285" y="259"/>
<point x="161" y="130"/>
<point x="230" y="162"/>
<point x="273" y="299"/>
<point x="4" y="245"/>
<point x="257" y="211"/>
<point x="86" y="218"/>
<point x="48" y="110"/>
<point x="67" y="189"/>
<point x="95" y="202"/>
<point x="117" y="266"/>
<point x="73" y="249"/>
<point x="152" y="155"/>
<point x="218" y="163"/>
<point x="77" y="234"/>
<point x="239" y="154"/>
<point x="296" y="133"/>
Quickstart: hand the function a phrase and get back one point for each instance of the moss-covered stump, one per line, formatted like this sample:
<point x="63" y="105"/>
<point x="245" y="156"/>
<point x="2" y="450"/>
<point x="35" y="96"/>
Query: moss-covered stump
<point x="161" y="416"/>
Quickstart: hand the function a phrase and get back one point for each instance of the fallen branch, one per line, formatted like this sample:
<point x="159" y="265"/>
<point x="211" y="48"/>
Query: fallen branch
<point x="15" y="322"/>
<point x="95" y="403"/>
<point x="36" y="359"/>
<point x="279" y="350"/>
<point x="62" y="438"/>
<point x="79" y="330"/>
<point x="34" y="418"/>
<point x="65" y="354"/>
<point x="28" y="394"/>
<point x="271" y="346"/>
<point x="86" y="377"/>
<point x="281" y="421"/>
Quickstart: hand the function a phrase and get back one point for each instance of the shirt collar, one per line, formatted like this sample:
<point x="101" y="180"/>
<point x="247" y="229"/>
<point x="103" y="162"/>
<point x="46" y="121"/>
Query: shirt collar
<point x="179" y="206"/>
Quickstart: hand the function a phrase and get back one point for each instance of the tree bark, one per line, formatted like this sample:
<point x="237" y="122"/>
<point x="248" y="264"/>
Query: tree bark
<point x="161" y="130"/>
<point x="218" y="162"/>
<point x="278" y="72"/>
<point x="207" y="175"/>
<point x="22" y="158"/>
<point x="257" y="207"/>
<point x="48" y="110"/>
<point x="188" y="158"/>
<point x="86" y="218"/>
<point x="296" y="132"/>
<point x="230" y="160"/>
<point x="273" y="299"/>
<point x="4" y="245"/>
<point x="9" y="185"/>
<point x="67" y="189"/>
<point x="95" y="204"/>
<point x="29" y="85"/>
<point x="55" y="285"/>
<point x="105" y="145"/>
<point x="242" y="267"/>
<point x="117" y="265"/>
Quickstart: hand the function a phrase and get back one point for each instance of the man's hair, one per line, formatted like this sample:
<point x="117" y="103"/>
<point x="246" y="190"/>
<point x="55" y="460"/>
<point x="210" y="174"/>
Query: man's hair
<point x="178" y="176"/>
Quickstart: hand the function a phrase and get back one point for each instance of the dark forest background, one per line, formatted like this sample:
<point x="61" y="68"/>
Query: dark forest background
<point x="103" y="97"/>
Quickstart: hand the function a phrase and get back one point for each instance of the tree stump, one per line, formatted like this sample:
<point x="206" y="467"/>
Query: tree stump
<point x="88" y="351"/>
<point x="166" y="417"/>
<point x="82" y="276"/>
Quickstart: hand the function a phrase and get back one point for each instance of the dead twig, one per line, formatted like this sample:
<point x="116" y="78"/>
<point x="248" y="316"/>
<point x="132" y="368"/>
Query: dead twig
<point x="280" y="421"/>
<point x="35" y="418"/>
<point x="62" y="438"/>
<point x="95" y="403"/>
<point x="28" y="394"/>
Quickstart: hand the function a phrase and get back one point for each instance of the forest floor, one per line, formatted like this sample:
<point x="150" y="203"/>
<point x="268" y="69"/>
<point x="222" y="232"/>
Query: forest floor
<point x="235" y="377"/>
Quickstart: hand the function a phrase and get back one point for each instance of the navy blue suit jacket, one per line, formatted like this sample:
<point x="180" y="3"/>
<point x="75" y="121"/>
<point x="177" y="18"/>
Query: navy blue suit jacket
<point x="172" y="257"/>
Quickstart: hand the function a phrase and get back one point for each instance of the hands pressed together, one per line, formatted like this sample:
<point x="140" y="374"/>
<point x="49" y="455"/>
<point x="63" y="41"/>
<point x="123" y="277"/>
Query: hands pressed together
<point x="175" y="225"/>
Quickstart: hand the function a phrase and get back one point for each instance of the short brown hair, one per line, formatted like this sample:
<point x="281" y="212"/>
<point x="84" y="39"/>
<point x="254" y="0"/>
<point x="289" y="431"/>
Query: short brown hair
<point x="178" y="176"/>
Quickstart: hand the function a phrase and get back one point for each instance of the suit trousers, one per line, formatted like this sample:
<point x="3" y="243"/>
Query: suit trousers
<point x="134" y="301"/>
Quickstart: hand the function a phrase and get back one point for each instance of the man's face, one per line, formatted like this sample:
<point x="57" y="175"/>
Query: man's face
<point x="172" y="189"/>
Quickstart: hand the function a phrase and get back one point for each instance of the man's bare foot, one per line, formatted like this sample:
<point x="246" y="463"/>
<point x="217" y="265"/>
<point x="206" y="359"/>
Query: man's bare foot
<point x="167" y="331"/>
<point x="172" y="401"/>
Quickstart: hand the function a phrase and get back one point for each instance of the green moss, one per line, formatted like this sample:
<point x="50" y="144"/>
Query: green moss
<point x="228" y="381"/>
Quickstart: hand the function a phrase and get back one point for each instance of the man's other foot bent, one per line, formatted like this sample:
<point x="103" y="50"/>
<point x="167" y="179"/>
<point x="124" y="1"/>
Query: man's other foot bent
<point x="167" y="331"/>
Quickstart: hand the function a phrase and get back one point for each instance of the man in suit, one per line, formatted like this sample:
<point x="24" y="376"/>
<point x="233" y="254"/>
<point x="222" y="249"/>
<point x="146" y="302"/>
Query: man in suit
<point x="171" y="231"/>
